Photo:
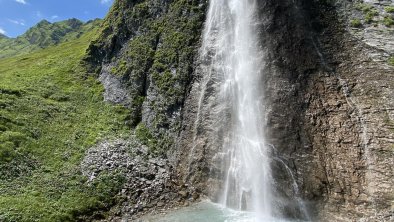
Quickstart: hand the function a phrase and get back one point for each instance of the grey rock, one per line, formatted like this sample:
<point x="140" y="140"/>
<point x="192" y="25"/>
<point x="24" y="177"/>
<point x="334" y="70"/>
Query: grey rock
<point x="115" y="91"/>
<point x="143" y="182"/>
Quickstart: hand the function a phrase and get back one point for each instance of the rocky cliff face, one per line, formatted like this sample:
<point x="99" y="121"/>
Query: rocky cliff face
<point x="145" y="59"/>
<point x="328" y="86"/>
<point x="331" y="107"/>
<point x="350" y="116"/>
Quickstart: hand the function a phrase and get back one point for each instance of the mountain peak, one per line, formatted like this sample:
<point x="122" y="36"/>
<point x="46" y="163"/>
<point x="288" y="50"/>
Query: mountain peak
<point x="2" y="36"/>
<point x="43" y="22"/>
<point x="73" y="20"/>
<point x="45" y="33"/>
<point x="74" y="23"/>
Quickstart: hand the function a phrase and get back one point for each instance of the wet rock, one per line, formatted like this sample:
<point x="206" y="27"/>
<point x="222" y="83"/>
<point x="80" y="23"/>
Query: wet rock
<point x="195" y="195"/>
<point x="183" y="193"/>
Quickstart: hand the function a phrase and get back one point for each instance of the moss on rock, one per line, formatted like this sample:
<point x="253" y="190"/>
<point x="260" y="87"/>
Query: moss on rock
<point x="152" y="46"/>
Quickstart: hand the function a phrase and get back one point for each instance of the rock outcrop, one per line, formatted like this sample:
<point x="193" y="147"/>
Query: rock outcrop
<point x="147" y="49"/>
<point x="147" y="182"/>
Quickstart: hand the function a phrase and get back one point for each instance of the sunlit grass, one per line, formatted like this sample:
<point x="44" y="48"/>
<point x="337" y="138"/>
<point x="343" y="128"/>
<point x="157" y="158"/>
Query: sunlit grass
<point x="50" y="113"/>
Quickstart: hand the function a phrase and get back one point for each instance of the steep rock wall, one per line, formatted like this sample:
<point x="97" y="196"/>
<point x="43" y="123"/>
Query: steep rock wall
<point x="330" y="109"/>
<point x="350" y="118"/>
<point x="328" y="114"/>
<point x="144" y="57"/>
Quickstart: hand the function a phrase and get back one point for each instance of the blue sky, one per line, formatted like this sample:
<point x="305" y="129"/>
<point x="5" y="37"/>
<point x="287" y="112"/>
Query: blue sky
<point x="16" y="16"/>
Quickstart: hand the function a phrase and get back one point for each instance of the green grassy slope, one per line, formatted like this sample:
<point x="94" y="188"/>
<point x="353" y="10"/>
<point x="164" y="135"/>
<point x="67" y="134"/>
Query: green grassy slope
<point x="49" y="115"/>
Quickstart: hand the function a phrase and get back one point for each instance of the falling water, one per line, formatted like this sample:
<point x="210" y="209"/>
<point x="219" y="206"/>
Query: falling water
<point x="230" y="46"/>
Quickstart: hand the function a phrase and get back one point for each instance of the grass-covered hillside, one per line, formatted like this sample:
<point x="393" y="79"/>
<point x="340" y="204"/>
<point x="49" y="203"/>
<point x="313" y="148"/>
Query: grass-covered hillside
<point x="45" y="34"/>
<point x="50" y="113"/>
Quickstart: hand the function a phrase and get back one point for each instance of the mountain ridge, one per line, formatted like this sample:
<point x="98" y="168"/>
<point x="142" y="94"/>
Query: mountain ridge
<point x="45" y="34"/>
<point x="3" y="36"/>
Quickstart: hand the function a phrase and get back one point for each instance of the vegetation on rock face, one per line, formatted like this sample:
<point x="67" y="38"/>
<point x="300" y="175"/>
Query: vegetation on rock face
<point x="388" y="21"/>
<point x="391" y="61"/>
<point x="50" y="114"/>
<point x="45" y="34"/>
<point x="145" y="136"/>
<point x="364" y="7"/>
<point x="356" y="23"/>
<point x="370" y="14"/>
<point x="153" y="47"/>
<point x="389" y="9"/>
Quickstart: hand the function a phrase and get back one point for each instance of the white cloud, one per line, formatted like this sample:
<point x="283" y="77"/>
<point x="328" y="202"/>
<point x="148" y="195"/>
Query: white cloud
<point x="103" y="1"/>
<point x="17" y="22"/>
<point x="21" y="1"/>
<point x="53" y="17"/>
<point x="38" y="14"/>
<point x="2" y="31"/>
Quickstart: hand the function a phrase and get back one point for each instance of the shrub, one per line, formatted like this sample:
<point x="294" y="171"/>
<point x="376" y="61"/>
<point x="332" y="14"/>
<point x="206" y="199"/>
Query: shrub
<point x="356" y="23"/>
<point x="370" y="15"/>
<point x="145" y="136"/>
<point x="389" y="9"/>
<point x="7" y="152"/>
<point x="364" y="7"/>
<point x="14" y="137"/>
<point x="388" y="21"/>
<point x="390" y="61"/>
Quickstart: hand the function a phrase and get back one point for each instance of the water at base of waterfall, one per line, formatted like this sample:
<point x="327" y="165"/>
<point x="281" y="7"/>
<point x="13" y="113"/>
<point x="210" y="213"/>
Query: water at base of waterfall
<point x="207" y="211"/>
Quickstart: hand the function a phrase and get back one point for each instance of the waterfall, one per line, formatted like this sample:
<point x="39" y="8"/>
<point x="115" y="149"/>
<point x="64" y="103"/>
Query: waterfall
<point x="231" y="49"/>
